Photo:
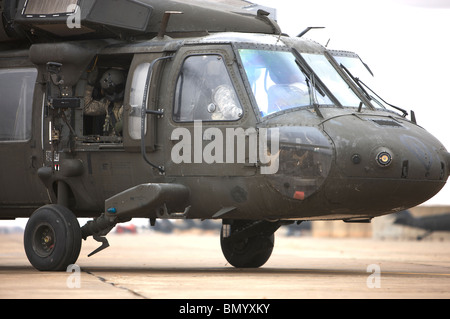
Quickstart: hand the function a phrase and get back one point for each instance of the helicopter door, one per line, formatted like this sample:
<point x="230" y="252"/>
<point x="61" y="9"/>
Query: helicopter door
<point x="210" y="129"/>
<point x="20" y="151"/>
<point x="140" y="125"/>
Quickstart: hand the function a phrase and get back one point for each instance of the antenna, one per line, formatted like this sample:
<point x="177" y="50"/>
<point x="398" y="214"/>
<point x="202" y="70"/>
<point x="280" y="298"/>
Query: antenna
<point x="307" y="30"/>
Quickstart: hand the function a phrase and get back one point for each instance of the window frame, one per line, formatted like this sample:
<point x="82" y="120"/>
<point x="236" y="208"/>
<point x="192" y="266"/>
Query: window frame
<point x="303" y="70"/>
<point x="226" y="65"/>
<point x="340" y="94"/>
<point x="375" y="102"/>
<point x="131" y="144"/>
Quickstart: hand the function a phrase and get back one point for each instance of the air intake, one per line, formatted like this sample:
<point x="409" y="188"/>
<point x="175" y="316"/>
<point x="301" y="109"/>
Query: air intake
<point x="391" y="123"/>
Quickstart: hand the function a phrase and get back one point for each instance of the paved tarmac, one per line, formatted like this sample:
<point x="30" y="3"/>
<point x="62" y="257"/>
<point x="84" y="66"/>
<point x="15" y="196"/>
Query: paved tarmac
<point x="191" y="266"/>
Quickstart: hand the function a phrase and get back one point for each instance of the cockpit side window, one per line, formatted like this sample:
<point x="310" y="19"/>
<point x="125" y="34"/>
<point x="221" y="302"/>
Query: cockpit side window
<point x="204" y="91"/>
<point x="16" y="92"/>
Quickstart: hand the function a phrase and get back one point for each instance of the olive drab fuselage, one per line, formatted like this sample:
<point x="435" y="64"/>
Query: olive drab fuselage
<point x="327" y="165"/>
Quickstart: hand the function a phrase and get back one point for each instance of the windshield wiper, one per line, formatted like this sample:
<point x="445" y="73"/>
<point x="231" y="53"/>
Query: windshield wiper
<point x="361" y="85"/>
<point x="357" y="81"/>
<point x="312" y="87"/>
<point x="405" y="113"/>
<point x="309" y="78"/>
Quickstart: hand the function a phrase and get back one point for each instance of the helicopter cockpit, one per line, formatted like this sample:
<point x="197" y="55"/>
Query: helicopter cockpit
<point x="280" y="80"/>
<point x="283" y="78"/>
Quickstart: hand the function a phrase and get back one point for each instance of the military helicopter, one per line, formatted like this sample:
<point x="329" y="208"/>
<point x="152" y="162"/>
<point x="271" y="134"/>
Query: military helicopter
<point x="438" y="222"/>
<point x="123" y="109"/>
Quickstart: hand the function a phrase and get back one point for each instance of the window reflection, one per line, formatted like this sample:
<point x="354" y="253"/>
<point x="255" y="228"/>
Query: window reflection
<point x="357" y="68"/>
<point x="329" y="76"/>
<point x="16" y="92"/>
<point x="277" y="82"/>
<point x="138" y="87"/>
<point x="204" y="91"/>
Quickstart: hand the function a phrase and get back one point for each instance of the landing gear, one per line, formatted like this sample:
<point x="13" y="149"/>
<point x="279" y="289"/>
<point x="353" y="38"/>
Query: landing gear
<point x="248" y="244"/>
<point x="52" y="238"/>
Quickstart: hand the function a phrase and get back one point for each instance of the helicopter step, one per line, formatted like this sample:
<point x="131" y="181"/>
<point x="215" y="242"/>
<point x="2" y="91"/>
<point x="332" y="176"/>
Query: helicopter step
<point x="138" y="201"/>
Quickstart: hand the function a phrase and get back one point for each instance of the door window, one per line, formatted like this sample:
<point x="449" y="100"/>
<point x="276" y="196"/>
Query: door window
<point x="16" y="92"/>
<point x="204" y="91"/>
<point x="139" y="87"/>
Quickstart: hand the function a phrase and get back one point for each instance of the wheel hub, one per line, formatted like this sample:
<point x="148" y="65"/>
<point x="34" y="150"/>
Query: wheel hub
<point x="44" y="240"/>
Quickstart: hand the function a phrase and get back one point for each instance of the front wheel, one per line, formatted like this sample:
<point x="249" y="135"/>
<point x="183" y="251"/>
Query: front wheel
<point x="52" y="238"/>
<point x="249" y="252"/>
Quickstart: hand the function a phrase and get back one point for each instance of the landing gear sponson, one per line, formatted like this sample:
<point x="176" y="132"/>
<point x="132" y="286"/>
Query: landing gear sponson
<point x="53" y="235"/>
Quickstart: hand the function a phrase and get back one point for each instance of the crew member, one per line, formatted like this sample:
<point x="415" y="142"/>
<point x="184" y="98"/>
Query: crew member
<point x="109" y="102"/>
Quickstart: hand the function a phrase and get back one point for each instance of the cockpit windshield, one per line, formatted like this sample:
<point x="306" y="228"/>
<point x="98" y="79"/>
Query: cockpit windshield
<point x="280" y="81"/>
<point x="331" y="78"/>
<point x="354" y="65"/>
<point x="277" y="82"/>
<point x="361" y="75"/>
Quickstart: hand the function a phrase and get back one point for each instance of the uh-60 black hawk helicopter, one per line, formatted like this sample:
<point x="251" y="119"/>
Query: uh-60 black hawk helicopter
<point x="120" y="109"/>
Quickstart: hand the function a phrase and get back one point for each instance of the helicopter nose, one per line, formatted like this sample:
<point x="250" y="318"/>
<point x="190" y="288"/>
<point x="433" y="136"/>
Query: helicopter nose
<point x="383" y="164"/>
<point x="447" y="156"/>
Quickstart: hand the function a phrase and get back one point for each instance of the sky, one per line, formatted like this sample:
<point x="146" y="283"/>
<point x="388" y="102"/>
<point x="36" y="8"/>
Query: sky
<point x="405" y="43"/>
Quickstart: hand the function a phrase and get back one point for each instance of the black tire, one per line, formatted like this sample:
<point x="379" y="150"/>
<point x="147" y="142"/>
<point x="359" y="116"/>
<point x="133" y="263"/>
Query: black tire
<point x="251" y="252"/>
<point x="52" y="238"/>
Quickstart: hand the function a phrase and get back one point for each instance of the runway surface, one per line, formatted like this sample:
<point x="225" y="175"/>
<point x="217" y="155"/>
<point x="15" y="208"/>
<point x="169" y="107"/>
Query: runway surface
<point x="191" y="266"/>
